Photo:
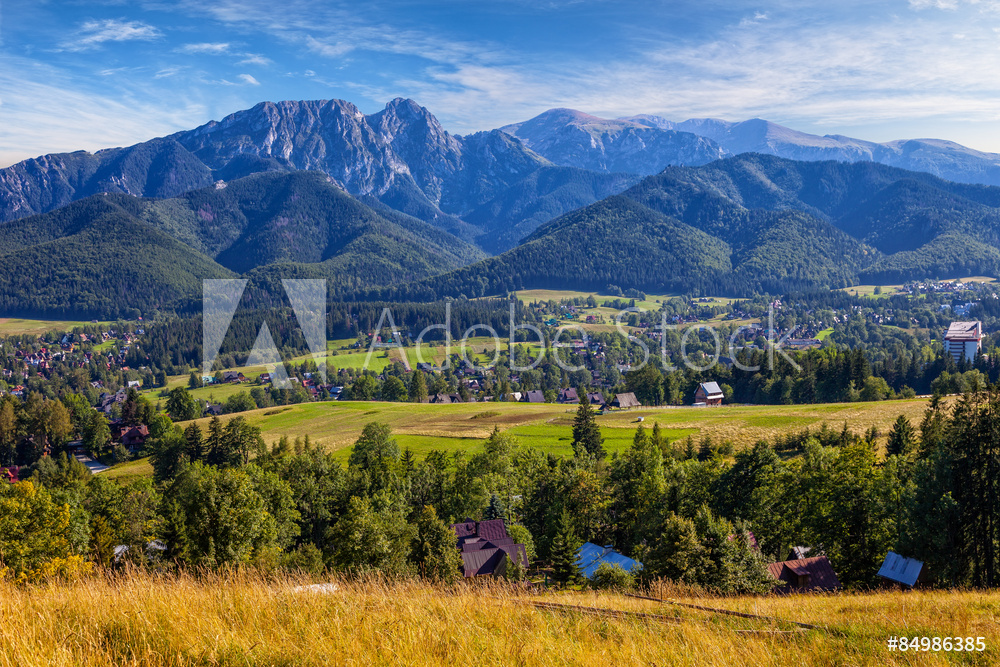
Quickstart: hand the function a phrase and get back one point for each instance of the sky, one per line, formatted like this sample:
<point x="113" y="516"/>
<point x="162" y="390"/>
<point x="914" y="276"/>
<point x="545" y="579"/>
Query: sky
<point x="89" y="75"/>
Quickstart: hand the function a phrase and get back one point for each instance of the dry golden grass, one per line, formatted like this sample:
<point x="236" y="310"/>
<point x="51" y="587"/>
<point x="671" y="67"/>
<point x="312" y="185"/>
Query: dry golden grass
<point x="140" y="619"/>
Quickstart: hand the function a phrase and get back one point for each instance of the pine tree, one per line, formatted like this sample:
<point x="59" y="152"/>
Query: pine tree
<point x="902" y="438"/>
<point x="194" y="382"/>
<point x="659" y="441"/>
<point x="563" y="552"/>
<point x="690" y="449"/>
<point x="175" y="533"/>
<point x="586" y="432"/>
<point x="195" y="442"/>
<point x="495" y="510"/>
<point x="418" y="387"/>
<point x="215" y="443"/>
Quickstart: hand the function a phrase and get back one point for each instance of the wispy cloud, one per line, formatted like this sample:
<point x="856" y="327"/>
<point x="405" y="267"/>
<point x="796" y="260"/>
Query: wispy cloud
<point x="75" y="118"/>
<point x="254" y="59"/>
<point x="246" y="78"/>
<point x="92" y="34"/>
<point x="168" y="72"/>
<point x="207" y="48"/>
<point x="327" y="49"/>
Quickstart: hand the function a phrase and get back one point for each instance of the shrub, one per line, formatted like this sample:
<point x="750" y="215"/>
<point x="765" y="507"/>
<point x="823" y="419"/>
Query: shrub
<point x="612" y="577"/>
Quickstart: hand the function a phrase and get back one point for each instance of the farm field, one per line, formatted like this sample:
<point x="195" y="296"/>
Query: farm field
<point x="889" y="290"/>
<point x="424" y="427"/>
<point x="651" y="301"/>
<point x="244" y="619"/>
<point x="13" y="326"/>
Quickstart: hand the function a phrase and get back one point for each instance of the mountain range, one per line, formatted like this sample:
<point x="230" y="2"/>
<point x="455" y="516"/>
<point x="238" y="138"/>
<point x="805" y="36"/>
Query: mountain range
<point x="391" y="206"/>
<point x="400" y="157"/>
<point x="648" y="144"/>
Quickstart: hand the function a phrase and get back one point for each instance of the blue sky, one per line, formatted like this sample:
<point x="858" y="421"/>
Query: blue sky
<point x="86" y="75"/>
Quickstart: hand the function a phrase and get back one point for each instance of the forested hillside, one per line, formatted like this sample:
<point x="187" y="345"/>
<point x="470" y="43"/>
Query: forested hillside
<point x="114" y="255"/>
<point x="753" y="223"/>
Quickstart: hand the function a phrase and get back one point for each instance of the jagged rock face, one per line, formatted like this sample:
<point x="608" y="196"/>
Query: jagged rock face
<point x="157" y="168"/>
<point x="574" y="139"/>
<point x="399" y="153"/>
<point x="329" y="136"/>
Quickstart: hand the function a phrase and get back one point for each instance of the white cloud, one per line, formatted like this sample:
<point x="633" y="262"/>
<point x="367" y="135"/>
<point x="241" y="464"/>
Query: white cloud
<point x="936" y="4"/>
<point x="246" y="78"/>
<point x="254" y="59"/>
<point x="167" y="72"/>
<point x="92" y="34"/>
<point x="326" y="49"/>
<point x="206" y="48"/>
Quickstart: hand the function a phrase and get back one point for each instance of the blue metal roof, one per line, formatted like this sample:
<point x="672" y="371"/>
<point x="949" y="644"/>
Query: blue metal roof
<point x="590" y="556"/>
<point x="900" y="569"/>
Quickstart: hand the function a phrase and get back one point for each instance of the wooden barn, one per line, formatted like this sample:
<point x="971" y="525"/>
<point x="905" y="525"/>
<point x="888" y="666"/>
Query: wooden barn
<point x="626" y="401"/>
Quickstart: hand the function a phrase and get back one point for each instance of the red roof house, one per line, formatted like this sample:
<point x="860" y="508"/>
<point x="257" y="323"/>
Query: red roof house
<point x="805" y="574"/>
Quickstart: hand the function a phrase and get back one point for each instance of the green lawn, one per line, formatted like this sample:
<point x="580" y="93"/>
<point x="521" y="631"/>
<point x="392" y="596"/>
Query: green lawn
<point x="824" y="334"/>
<point x="126" y="472"/>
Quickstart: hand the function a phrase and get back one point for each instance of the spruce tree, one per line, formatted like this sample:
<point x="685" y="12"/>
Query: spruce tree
<point x="563" y="552"/>
<point x="418" y="387"/>
<point x="495" y="510"/>
<point x="215" y="443"/>
<point x="195" y="442"/>
<point x="586" y="432"/>
<point x="902" y="437"/>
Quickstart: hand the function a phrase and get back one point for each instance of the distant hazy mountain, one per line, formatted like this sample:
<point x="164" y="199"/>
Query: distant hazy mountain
<point x="575" y="139"/>
<point x="651" y="143"/>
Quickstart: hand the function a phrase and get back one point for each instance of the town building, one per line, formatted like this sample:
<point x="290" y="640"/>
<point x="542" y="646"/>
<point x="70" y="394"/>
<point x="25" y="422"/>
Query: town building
<point x="963" y="340"/>
<point x="626" y="401"/>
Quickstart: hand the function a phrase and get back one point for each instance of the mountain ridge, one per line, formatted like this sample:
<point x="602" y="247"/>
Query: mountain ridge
<point x="551" y="134"/>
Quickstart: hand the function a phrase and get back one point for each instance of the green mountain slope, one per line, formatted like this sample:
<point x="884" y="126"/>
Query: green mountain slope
<point x="543" y="196"/>
<point x="113" y="254"/>
<point x="105" y="263"/>
<point x="614" y="241"/>
<point x="299" y="217"/>
<point x="778" y="224"/>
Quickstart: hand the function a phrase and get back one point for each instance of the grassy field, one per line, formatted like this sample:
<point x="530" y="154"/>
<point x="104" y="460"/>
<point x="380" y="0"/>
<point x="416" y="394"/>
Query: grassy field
<point x="12" y="326"/>
<point x="246" y="620"/>
<point x="652" y="301"/>
<point x="889" y="290"/>
<point x="126" y="472"/>
<point x="424" y="427"/>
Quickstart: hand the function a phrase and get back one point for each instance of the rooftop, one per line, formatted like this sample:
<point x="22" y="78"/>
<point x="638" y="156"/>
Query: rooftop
<point x="971" y="331"/>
